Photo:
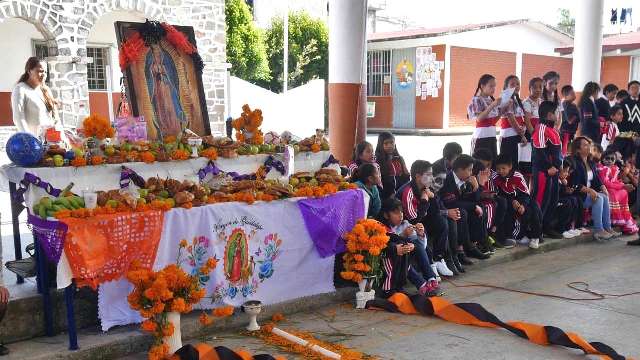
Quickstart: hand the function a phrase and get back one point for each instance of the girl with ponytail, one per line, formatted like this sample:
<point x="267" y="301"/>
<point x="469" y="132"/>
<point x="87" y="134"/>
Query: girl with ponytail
<point x="550" y="93"/>
<point x="530" y="107"/>
<point x="484" y="110"/>
<point x="512" y="126"/>
<point x="31" y="101"/>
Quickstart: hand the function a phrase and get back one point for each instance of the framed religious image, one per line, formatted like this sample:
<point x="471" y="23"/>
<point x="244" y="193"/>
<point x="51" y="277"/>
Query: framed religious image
<point x="163" y="72"/>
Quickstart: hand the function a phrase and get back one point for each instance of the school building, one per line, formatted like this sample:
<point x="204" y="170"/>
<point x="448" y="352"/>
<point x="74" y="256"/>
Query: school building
<point x="425" y="78"/>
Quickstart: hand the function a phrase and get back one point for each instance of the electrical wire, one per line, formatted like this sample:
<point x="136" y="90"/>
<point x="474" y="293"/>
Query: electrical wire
<point x="580" y="286"/>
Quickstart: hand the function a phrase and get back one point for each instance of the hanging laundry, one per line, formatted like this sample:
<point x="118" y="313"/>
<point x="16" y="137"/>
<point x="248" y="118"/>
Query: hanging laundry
<point x="614" y="16"/>
<point x="623" y="16"/>
<point x="629" y="16"/>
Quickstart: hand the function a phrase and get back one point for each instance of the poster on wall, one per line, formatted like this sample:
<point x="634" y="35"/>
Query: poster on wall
<point x="404" y="74"/>
<point x="163" y="77"/>
<point x="428" y="73"/>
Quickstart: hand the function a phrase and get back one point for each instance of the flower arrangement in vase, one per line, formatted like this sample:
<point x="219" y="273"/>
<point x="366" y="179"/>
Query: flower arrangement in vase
<point x="364" y="243"/>
<point x="96" y="129"/>
<point x="248" y="126"/>
<point x="161" y="296"/>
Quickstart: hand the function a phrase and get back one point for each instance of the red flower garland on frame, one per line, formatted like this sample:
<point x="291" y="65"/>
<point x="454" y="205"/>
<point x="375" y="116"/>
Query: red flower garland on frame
<point x="132" y="48"/>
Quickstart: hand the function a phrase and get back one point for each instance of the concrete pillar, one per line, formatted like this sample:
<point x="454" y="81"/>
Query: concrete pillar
<point x="347" y="75"/>
<point x="587" y="43"/>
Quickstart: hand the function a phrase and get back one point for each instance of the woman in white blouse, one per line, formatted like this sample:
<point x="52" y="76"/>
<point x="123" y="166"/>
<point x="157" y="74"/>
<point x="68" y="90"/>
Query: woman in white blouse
<point x="31" y="100"/>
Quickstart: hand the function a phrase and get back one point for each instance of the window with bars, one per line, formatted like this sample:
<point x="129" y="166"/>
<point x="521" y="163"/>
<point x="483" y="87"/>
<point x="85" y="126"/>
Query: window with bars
<point x="379" y="73"/>
<point x="96" y="71"/>
<point x="40" y="49"/>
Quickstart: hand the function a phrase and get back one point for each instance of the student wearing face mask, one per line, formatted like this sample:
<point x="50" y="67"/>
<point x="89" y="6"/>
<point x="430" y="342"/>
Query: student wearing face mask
<point x="420" y="205"/>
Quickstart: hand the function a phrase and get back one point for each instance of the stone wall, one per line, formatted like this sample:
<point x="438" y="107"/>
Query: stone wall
<point x="66" y="25"/>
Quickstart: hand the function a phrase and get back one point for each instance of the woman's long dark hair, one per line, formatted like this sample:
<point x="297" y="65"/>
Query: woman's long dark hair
<point x="515" y="96"/>
<point x="590" y="89"/>
<point x="547" y="77"/>
<point x="32" y="63"/>
<point x="381" y="157"/>
<point x="358" y="150"/>
<point x="484" y="80"/>
<point x="575" y="146"/>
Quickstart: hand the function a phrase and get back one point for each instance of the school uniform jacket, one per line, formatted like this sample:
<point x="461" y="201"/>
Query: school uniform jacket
<point x="590" y="120"/>
<point x="512" y="187"/>
<point x="546" y="147"/>
<point x="578" y="178"/>
<point x="413" y="206"/>
<point x="395" y="267"/>
<point x="462" y="198"/>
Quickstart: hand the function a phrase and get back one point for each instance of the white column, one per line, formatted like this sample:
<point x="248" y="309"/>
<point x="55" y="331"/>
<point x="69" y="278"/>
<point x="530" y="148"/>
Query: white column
<point x="347" y="92"/>
<point x="519" y="67"/>
<point x="587" y="43"/>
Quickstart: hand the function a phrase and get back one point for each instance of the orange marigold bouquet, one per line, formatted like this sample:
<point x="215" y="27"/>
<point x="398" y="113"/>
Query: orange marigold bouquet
<point x="156" y="293"/>
<point x="364" y="243"/>
<point x="249" y="122"/>
<point x="97" y="126"/>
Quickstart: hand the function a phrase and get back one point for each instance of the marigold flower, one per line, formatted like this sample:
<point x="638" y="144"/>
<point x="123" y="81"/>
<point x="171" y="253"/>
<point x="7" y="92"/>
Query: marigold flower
<point x="212" y="263"/>
<point x="223" y="311"/>
<point x="149" y="325"/>
<point x="277" y="317"/>
<point x="205" y="320"/>
<point x="168" y="329"/>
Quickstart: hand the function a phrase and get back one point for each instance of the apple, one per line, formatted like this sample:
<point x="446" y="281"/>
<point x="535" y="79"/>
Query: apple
<point x="58" y="160"/>
<point x="294" y="181"/>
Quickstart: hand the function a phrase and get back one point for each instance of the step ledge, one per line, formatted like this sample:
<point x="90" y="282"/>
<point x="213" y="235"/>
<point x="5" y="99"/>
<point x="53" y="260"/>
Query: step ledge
<point x="126" y="340"/>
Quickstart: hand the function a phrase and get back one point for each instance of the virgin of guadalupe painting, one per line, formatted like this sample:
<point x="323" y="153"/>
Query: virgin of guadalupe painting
<point x="165" y="87"/>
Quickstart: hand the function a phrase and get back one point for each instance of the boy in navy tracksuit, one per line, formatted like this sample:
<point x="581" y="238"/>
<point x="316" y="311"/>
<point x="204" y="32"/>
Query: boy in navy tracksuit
<point x="523" y="215"/>
<point x="462" y="191"/>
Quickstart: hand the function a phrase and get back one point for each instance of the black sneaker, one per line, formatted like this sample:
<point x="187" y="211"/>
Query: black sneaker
<point x="457" y="264"/>
<point x="475" y="253"/>
<point x="464" y="260"/>
<point x="4" y="350"/>
<point x="507" y="243"/>
<point x="635" y="242"/>
<point x="452" y="267"/>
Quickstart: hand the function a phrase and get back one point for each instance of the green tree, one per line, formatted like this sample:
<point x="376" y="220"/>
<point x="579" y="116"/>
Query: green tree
<point x="567" y="23"/>
<point x="245" y="44"/>
<point x="308" y="50"/>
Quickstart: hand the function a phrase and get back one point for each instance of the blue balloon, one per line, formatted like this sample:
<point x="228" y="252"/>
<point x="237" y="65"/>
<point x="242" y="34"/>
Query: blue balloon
<point x="24" y="149"/>
<point x="70" y="155"/>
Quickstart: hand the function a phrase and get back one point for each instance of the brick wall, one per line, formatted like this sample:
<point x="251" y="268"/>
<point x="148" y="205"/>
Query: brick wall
<point x="384" y="112"/>
<point x="429" y="111"/>
<point x="538" y="65"/>
<point x="615" y="69"/>
<point x="467" y="65"/>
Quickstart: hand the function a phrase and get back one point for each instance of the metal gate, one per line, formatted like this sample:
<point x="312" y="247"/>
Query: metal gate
<point x="404" y="88"/>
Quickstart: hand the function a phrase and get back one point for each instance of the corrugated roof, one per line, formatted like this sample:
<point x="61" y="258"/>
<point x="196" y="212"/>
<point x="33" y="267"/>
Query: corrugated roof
<point x="625" y="42"/>
<point x="440" y="31"/>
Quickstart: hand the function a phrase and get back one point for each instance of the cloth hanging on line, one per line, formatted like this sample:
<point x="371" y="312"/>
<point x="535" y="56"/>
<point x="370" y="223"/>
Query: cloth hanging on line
<point x="614" y="16"/>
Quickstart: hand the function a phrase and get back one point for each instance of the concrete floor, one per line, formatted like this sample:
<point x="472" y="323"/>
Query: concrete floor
<point x="608" y="268"/>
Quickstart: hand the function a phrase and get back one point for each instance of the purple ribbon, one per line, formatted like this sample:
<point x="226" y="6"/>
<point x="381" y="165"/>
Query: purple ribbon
<point x="328" y="218"/>
<point x="330" y="160"/>
<point x="50" y="235"/>
<point x="31" y="179"/>
<point x="211" y="168"/>
<point x="127" y="175"/>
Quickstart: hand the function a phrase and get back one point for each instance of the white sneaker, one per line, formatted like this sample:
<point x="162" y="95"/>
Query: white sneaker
<point x="568" y="234"/>
<point x="576" y="232"/>
<point x="524" y="241"/>
<point x="443" y="269"/>
<point x="584" y="230"/>
<point x="435" y="271"/>
<point x="534" y="243"/>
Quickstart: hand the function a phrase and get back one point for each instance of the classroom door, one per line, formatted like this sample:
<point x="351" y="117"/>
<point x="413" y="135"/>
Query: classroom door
<point x="404" y="88"/>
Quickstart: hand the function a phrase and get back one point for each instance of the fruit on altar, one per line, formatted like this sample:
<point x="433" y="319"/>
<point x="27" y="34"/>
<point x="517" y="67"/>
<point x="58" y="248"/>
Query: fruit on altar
<point x="325" y="146"/>
<point x="109" y="150"/>
<point x="183" y="197"/>
<point x="70" y="155"/>
<point x="253" y="150"/>
<point x="294" y="181"/>
<point x="225" y="147"/>
<point x="58" y="160"/>
<point x="79" y="152"/>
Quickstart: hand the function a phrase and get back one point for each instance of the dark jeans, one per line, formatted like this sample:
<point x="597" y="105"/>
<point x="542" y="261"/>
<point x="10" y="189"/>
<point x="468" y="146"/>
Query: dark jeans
<point x="438" y="230"/>
<point x="460" y="231"/>
<point x="422" y="259"/>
